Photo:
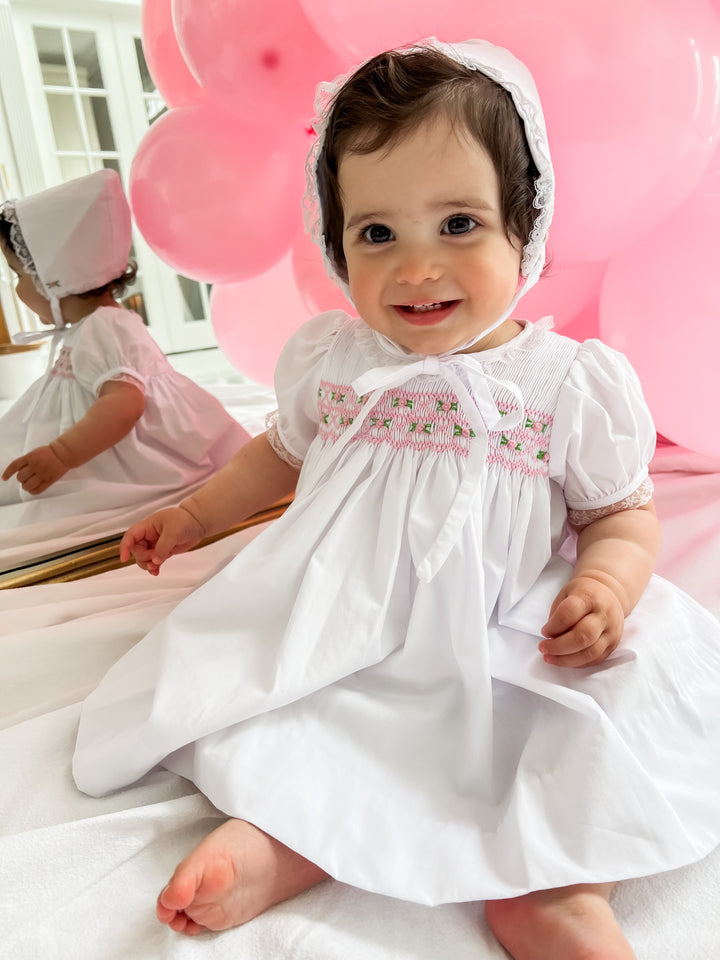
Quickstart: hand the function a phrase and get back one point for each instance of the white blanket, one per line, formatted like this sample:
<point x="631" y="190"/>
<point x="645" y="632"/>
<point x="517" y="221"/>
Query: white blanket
<point x="79" y="876"/>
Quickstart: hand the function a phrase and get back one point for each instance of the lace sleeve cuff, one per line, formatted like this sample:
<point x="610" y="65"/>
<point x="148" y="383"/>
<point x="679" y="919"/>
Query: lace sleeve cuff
<point x="639" y="497"/>
<point x="276" y="443"/>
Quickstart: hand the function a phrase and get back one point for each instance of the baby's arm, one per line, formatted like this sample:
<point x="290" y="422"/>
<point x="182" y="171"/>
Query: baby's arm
<point x="253" y="479"/>
<point x="615" y="558"/>
<point x="113" y="415"/>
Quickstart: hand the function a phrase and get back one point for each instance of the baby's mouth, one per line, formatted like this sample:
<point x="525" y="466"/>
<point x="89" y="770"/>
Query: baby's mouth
<point x="426" y="314"/>
<point x="425" y="307"/>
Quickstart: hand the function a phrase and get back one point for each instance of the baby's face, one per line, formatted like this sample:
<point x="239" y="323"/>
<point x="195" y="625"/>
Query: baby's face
<point x="428" y="260"/>
<point x="25" y="288"/>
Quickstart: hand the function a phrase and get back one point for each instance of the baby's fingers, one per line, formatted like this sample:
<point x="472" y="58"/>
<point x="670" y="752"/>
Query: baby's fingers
<point x="574" y="635"/>
<point x="13" y="468"/>
<point x="142" y="553"/>
<point x="569" y="611"/>
<point x="587" y="657"/>
<point x="138" y="542"/>
<point x="577" y="644"/>
<point x="36" y="485"/>
<point x="149" y="552"/>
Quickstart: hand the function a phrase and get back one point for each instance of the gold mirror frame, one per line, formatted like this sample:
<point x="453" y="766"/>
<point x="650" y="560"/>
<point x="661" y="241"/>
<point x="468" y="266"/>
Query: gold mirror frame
<point x="102" y="555"/>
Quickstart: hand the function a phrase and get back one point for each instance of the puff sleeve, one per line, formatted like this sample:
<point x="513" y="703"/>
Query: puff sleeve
<point x="113" y="344"/>
<point x="603" y="434"/>
<point x="293" y="427"/>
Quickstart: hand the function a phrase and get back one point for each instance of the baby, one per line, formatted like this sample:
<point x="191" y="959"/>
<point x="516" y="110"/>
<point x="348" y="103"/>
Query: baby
<point x="404" y="683"/>
<point x="110" y="421"/>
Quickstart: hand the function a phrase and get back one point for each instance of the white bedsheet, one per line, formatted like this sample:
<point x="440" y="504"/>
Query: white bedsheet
<point x="79" y="876"/>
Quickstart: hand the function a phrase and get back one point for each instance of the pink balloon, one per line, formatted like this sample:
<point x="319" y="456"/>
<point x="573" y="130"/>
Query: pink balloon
<point x="564" y="293"/>
<point x="358" y="30"/>
<point x="584" y="325"/>
<point x="166" y="63"/>
<point x="216" y="196"/>
<point x="253" y="320"/>
<point x="317" y="290"/>
<point x="630" y="93"/>
<point x="659" y="306"/>
<point x="255" y="58"/>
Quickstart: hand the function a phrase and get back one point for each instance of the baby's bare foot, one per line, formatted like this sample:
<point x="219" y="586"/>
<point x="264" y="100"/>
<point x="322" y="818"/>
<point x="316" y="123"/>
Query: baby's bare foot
<point x="570" y="923"/>
<point x="232" y="876"/>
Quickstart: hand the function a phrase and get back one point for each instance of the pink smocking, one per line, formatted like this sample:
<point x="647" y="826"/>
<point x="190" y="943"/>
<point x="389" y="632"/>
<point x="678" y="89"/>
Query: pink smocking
<point x="433" y="422"/>
<point x="63" y="365"/>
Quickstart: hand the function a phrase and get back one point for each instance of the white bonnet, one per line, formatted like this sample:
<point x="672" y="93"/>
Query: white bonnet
<point x="74" y="237"/>
<point x="504" y="68"/>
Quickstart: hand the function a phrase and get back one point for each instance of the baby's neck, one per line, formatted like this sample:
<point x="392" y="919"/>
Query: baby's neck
<point x="76" y="308"/>
<point x="503" y="334"/>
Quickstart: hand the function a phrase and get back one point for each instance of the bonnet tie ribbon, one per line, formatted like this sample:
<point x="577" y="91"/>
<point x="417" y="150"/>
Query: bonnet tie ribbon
<point x="482" y="413"/>
<point x="26" y="337"/>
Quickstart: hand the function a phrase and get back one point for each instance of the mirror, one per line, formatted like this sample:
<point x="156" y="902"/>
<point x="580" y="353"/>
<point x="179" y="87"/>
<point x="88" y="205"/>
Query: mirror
<point x="74" y="533"/>
<point x="100" y="556"/>
<point x="84" y="97"/>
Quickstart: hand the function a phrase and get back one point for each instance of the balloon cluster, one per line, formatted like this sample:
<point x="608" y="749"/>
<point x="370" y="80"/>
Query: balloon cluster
<point x="631" y="92"/>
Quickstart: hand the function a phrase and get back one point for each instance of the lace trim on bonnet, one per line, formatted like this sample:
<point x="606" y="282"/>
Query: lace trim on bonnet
<point x="20" y="248"/>
<point x="544" y="185"/>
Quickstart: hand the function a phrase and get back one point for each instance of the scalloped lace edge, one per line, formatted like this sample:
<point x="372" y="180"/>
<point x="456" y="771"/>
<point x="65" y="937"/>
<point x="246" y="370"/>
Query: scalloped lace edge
<point x="639" y="497"/>
<point x="276" y="443"/>
<point x="19" y="246"/>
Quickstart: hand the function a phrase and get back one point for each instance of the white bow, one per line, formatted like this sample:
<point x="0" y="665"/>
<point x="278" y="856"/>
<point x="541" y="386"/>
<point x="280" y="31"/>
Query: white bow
<point x="482" y="413"/>
<point x="40" y="335"/>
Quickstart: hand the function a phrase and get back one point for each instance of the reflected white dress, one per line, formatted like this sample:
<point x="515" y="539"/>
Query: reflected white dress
<point x="183" y="436"/>
<point x="363" y="681"/>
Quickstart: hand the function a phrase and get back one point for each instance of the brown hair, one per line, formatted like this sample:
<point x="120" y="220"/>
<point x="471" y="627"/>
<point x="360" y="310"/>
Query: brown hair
<point x="117" y="286"/>
<point x="393" y="93"/>
<point x="5" y="227"/>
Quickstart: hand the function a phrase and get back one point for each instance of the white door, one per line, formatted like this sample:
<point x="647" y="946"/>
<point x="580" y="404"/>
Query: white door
<point x="90" y="99"/>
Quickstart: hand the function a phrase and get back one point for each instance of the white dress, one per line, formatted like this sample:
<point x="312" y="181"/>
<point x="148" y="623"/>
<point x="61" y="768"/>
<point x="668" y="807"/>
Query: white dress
<point x="363" y="681"/>
<point x="183" y="436"/>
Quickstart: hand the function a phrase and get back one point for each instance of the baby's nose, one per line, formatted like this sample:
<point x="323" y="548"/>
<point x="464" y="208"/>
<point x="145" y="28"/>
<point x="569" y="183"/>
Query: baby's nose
<point x="416" y="266"/>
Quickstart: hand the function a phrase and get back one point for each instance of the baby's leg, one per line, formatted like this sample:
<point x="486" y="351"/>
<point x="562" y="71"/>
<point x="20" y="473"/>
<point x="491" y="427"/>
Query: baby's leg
<point x="234" y="874"/>
<point x="570" y="923"/>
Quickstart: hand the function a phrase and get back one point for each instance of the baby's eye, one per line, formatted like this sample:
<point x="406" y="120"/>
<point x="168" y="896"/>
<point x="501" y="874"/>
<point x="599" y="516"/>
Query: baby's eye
<point x="459" y="224"/>
<point x="377" y="233"/>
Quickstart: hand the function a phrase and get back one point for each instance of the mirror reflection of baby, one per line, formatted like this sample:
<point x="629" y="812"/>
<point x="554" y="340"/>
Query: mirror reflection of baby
<point x="110" y="407"/>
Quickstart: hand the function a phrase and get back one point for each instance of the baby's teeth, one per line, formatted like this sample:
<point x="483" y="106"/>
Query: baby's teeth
<point x="423" y="308"/>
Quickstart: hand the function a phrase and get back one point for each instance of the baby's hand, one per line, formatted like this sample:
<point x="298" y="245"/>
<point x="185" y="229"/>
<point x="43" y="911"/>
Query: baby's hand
<point x="162" y="535"/>
<point x="585" y="624"/>
<point x="36" y="470"/>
